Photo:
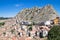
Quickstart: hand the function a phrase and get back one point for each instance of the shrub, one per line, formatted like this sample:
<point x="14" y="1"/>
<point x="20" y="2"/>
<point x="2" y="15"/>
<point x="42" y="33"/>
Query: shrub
<point x="33" y="23"/>
<point x="4" y="33"/>
<point x="31" y="17"/>
<point x="1" y="24"/>
<point x="54" y="33"/>
<point x="12" y="31"/>
<point x="30" y="28"/>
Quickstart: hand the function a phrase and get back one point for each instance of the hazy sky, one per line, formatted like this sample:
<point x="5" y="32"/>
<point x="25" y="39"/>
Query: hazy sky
<point x="10" y="8"/>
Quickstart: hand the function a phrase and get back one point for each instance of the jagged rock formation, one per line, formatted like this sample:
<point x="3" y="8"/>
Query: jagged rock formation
<point x="37" y="14"/>
<point x="12" y="26"/>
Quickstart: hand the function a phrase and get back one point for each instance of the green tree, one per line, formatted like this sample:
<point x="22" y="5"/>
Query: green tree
<point x="54" y="33"/>
<point x="1" y="24"/>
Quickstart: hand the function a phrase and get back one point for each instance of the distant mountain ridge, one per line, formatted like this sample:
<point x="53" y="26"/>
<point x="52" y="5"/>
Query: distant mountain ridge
<point x="36" y="14"/>
<point x="3" y="18"/>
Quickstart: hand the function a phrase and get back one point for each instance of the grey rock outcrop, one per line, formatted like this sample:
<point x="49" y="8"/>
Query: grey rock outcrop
<point x="37" y="14"/>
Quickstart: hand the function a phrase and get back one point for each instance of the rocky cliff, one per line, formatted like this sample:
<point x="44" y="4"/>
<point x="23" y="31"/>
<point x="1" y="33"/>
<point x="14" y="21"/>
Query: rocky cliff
<point x="36" y="14"/>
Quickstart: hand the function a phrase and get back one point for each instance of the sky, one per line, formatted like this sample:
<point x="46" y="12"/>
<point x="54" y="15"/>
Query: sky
<point x="9" y="8"/>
